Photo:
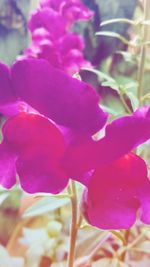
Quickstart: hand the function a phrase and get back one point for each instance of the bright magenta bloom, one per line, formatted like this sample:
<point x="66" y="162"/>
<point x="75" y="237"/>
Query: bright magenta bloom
<point x="116" y="192"/>
<point x="63" y="99"/>
<point x="33" y="146"/>
<point x="118" y="186"/>
<point x="71" y="10"/>
<point x="121" y="136"/>
<point x="52" y="38"/>
<point x="45" y="153"/>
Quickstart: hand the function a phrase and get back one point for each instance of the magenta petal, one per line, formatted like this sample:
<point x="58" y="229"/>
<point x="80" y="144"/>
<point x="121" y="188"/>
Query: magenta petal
<point x="7" y="167"/>
<point x="14" y="108"/>
<point x="45" y="178"/>
<point x="75" y="10"/>
<point x="38" y="145"/>
<point x="121" y="136"/>
<point x="144" y="195"/>
<point x="6" y="94"/>
<point x="112" y="198"/>
<point x="70" y="41"/>
<point x="72" y="10"/>
<point x="66" y="100"/>
<point x="55" y="4"/>
<point x="42" y="18"/>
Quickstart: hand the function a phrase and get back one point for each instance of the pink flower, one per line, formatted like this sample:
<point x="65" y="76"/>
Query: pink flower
<point x="121" y="136"/>
<point x="33" y="93"/>
<point x="116" y="192"/>
<point x="118" y="186"/>
<point x="71" y="10"/>
<point x="32" y="147"/>
<point x="52" y="38"/>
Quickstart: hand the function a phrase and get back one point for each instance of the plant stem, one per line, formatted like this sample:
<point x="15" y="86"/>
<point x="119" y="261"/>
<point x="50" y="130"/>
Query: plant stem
<point x="145" y="97"/>
<point x="125" y="104"/>
<point x="74" y="228"/>
<point x="133" y="244"/>
<point x="85" y="260"/>
<point x="123" y="255"/>
<point x="99" y="245"/>
<point x="140" y="75"/>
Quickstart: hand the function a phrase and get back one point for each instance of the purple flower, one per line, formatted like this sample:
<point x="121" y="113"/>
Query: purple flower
<point x="116" y="192"/>
<point x="52" y="38"/>
<point x="33" y="146"/>
<point x="71" y="10"/>
<point x="118" y="186"/>
<point x="66" y="100"/>
<point x="121" y="136"/>
<point x="49" y="20"/>
<point x="52" y="141"/>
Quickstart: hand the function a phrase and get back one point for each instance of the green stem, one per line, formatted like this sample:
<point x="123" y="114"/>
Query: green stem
<point x="74" y="228"/>
<point x="125" y="104"/>
<point x="140" y="75"/>
<point x="145" y="97"/>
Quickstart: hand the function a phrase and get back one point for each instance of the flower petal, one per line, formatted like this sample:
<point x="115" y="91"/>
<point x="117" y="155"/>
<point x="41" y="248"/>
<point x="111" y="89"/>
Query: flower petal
<point x="6" y="94"/>
<point x="7" y="167"/>
<point x="48" y="177"/>
<point x="121" y="136"/>
<point x="112" y="199"/>
<point x="38" y="145"/>
<point x="50" y="20"/>
<point x="66" y="100"/>
<point x="74" y="11"/>
<point x="144" y="195"/>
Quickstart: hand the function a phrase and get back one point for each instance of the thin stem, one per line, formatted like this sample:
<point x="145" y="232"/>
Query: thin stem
<point x="140" y="75"/>
<point x="123" y="255"/>
<point x="145" y="97"/>
<point x="120" y="236"/>
<point x="125" y="104"/>
<point x="138" y="239"/>
<point x="131" y="245"/>
<point x="80" y="221"/>
<point x="99" y="245"/>
<point x="88" y="258"/>
<point x="74" y="228"/>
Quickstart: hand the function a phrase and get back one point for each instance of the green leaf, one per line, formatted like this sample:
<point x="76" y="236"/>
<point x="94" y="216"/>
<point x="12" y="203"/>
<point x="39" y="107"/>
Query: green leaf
<point x="127" y="56"/>
<point x="118" y="20"/>
<point x="100" y="74"/>
<point x="114" y="85"/>
<point x="114" y="35"/>
<point x="134" y="100"/>
<point x="105" y="79"/>
<point x="47" y="204"/>
<point x="110" y="110"/>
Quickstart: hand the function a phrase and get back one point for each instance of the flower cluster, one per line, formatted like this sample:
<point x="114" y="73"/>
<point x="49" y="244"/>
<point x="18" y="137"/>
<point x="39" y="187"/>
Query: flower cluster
<point x="51" y="109"/>
<point x="48" y="138"/>
<point x="52" y="38"/>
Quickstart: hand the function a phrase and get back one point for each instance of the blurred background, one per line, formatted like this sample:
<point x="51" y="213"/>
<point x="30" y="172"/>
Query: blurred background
<point x="34" y="230"/>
